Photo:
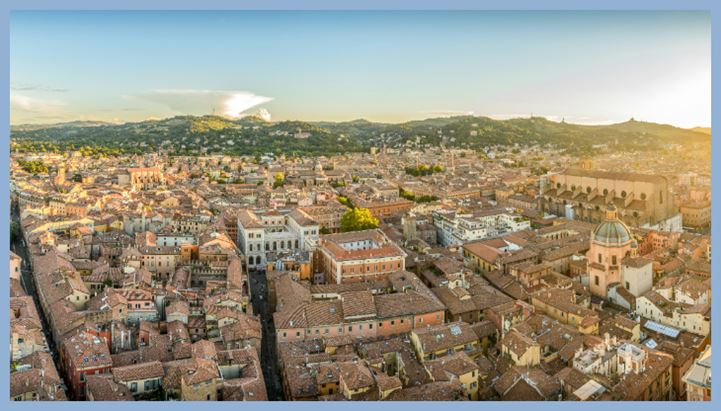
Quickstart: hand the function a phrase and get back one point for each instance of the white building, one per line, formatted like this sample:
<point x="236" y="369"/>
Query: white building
<point x="456" y="228"/>
<point x="273" y="231"/>
<point x="695" y="319"/>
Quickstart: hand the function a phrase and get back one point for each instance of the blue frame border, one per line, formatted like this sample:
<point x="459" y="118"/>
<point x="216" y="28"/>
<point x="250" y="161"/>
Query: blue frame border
<point x="7" y="6"/>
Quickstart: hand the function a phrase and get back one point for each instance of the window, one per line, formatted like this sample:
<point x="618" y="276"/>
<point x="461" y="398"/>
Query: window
<point x="350" y="328"/>
<point x="596" y="280"/>
<point x="613" y="260"/>
<point x="600" y="258"/>
<point x="134" y="387"/>
<point x="82" y="377"/>
<point x="628" y="286"/>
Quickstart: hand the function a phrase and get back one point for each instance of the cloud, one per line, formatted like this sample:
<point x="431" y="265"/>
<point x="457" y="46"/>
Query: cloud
<point x="36" y="87"/>
<point x="231" y="103"/>
<point x="27" y="104"/>
<point x="447" y="113"/>
<point x="28" y="109"/>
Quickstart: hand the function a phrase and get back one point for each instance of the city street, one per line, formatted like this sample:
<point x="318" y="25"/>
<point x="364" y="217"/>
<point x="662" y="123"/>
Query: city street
<point x="18" y="246"/>
<point x="268" y="355"/>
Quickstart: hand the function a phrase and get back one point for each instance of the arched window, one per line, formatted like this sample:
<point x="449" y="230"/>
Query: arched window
<point x="290" y="244"/>
<point x="623" y="194"/>
<point x="558" y="185"/>
<point x="588" y="189"/>
<point x="605" y="192"/>
<point x="643" y="196"/>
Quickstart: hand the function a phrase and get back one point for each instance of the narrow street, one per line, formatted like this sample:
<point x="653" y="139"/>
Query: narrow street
<point x="18" y="246"/>
<point x="268" y="354"/>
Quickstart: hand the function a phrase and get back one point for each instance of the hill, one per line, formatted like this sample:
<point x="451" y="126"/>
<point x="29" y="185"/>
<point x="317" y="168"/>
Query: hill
<point x="193" y="135"/>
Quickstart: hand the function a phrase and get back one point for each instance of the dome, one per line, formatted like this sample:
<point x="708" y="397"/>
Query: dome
<point x="612" y="230"/>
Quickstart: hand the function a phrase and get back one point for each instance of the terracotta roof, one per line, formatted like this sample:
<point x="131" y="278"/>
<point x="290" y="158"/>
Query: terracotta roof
<point x="142" y="371"/>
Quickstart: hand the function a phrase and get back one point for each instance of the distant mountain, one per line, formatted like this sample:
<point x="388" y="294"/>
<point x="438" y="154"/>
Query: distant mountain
<point x="78" y="124"/>
<point x="190" y="135"/>
<point x="704" y="130"/>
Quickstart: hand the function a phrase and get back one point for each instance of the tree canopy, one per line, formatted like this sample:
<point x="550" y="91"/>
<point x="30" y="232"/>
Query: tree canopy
<point x="357" y="219"/>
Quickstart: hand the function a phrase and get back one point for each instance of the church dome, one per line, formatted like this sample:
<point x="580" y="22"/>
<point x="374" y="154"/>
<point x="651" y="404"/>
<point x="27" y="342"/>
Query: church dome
<point x="612" y="230"/>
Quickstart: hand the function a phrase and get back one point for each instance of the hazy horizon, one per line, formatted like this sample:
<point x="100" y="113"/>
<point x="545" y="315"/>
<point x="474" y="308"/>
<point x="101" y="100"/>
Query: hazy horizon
<point x="589" y="68"/>
<point x="350" y="120"/>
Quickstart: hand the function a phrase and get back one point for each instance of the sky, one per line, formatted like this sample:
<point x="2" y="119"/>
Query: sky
<point x="583" y="67"/>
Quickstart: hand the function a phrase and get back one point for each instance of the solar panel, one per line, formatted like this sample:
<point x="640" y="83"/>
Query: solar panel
<point x="662" y="329"/>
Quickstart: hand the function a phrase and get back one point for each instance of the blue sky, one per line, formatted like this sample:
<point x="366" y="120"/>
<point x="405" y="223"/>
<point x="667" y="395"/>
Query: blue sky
<point x="586" y="67"/>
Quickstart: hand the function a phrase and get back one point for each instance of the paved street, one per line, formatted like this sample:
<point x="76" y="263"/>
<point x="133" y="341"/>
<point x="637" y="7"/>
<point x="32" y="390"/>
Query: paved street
<point x="18" y="246"/>
<point x="268" y="355"/>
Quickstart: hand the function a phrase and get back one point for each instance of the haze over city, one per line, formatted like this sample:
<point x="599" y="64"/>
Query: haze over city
<point x="584" y="67"/>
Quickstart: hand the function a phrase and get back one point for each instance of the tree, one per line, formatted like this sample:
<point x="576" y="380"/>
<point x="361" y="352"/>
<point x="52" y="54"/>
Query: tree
<point x="278" y="180"/>
<point x="345" y="201"/>
<point x="357" y="219"/>
<point x="33" y="166"/>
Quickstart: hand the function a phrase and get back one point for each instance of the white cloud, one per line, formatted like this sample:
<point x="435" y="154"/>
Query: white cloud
<point x="27" y="109"/>
<point x="231" y="103"/>
<point x="447" y="113"/>
<point x="264" y="114"/>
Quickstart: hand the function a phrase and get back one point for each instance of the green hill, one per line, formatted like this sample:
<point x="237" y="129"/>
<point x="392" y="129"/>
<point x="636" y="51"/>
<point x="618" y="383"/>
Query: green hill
<point x="192" y="135"/>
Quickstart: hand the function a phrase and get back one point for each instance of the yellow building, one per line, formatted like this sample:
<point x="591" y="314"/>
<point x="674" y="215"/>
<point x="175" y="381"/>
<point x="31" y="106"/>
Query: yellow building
<point x="561" y="306"/>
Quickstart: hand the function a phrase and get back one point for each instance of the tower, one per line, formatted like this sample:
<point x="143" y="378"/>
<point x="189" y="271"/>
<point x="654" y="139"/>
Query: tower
<point x="60" y="177"/>
<point x="611" y="241"/>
